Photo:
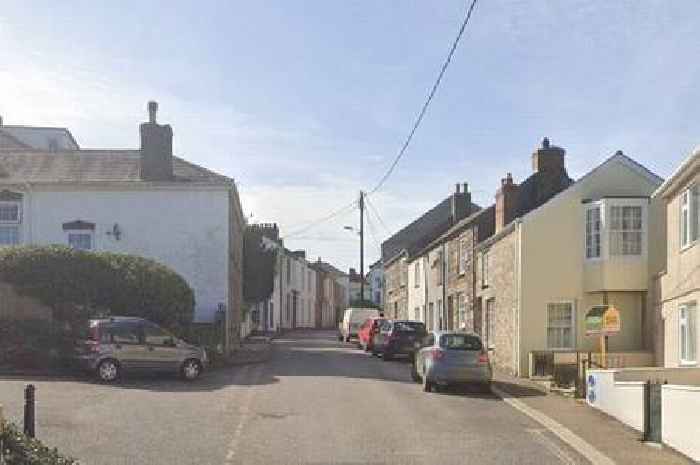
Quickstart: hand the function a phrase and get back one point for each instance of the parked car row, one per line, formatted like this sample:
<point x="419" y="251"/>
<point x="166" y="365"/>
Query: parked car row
<point x="438" y="358"/>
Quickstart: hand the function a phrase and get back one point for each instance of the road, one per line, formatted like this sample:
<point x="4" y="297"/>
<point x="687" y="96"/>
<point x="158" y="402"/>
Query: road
<point x="316" y="401"/>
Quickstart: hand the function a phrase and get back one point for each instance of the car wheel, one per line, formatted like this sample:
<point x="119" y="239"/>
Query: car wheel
<point x="414" y="373"/>
<point x="427" y="385"/>
<point x="347" y="339"/>
<point x="108" y="370"/>
<point x="191" y="369"/>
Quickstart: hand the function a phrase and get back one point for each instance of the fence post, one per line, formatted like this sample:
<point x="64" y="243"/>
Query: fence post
<point x="29" y="411"/>
<point x="652" y="411"/>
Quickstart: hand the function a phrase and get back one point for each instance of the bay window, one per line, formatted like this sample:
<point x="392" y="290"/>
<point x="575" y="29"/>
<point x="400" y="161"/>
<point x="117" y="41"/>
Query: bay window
<point x="615" y="227"/>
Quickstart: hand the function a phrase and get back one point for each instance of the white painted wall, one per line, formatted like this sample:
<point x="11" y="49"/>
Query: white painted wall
<point x="186" y="230"/>
<point x="416" y="289"/>
<point x="622" y="400"/>
<point x="680" y="410"/>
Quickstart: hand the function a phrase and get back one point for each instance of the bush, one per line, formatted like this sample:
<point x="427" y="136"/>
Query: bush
<point x="34" y="344"/>
<point x="21" y="450"/>
<point x="78" y="285"/>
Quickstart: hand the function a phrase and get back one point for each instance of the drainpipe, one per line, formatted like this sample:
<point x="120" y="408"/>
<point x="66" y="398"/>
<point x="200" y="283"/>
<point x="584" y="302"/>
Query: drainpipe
<point x="28" y="213"/>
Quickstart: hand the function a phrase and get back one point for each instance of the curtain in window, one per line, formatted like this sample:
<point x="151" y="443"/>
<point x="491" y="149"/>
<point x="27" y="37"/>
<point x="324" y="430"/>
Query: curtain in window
<point x="560" y="326"/>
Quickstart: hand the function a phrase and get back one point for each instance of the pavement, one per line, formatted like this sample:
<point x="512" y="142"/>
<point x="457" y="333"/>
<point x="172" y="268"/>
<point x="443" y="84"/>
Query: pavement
<point x="309" y="400"/>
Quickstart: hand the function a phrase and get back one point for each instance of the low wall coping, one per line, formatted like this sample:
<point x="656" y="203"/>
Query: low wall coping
<point x="680" y="387"/>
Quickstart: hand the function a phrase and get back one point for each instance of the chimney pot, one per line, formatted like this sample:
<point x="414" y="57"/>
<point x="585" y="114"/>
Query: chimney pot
<point x="152" y="110"/>
<point x="457" y="188"/>
<point x="0" y="120"/>
<point x="619" y="152"/>
<point x="465" y="187"/>
<point x="545" y="143"/>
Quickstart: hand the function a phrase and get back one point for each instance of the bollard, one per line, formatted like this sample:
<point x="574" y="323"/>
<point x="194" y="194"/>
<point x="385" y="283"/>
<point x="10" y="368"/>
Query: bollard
<point x="29" y="412"/>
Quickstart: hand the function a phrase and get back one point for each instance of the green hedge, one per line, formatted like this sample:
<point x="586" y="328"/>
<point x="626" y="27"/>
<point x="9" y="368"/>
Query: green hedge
<point x="35" y="344"/>
<point x="77" y="285"/>
<point x="21" y="450"/>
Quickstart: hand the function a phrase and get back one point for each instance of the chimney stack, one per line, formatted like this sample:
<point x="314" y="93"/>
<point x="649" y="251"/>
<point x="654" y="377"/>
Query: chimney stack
<point x="548" y="157"/>
<point x="156" y="148"/>
<point x="460" y="203"/>
<point x="506" y="202"/>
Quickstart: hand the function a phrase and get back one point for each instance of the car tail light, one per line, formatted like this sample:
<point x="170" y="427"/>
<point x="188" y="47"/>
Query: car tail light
<point x="437" y="354"/>
<point x="484" y="358"/>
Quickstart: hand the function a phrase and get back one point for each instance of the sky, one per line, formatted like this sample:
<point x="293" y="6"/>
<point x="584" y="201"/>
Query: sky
<point x="306" y="103"/>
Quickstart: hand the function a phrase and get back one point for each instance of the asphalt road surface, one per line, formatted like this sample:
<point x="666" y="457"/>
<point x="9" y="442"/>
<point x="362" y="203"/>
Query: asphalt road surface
<point x="316" y="401"/>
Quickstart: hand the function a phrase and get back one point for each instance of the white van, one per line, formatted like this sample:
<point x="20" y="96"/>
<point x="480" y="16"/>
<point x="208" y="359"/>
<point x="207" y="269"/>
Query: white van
<point x="352" y="320"/>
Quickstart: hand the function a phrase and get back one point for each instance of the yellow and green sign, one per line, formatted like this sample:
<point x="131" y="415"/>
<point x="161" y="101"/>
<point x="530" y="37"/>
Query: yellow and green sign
<point x="603" y="320"/>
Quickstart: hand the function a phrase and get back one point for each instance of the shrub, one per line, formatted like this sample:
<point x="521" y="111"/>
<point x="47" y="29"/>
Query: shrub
<point x="21" y="450"/>
<point x="34" y="344"/>
<point x="78" y="285"/>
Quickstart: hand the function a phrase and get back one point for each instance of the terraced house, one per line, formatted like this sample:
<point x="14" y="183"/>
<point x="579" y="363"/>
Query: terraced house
<point x="402" y="247"/>
<point x="561" y="250"/>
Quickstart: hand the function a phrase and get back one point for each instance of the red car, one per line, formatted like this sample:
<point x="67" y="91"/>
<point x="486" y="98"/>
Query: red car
<point x="367" y="331"/>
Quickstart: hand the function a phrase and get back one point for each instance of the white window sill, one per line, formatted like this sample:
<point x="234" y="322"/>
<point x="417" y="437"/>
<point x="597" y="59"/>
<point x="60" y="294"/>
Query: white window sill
<point x="689" y="245"/>
<point x="688" y="364"/>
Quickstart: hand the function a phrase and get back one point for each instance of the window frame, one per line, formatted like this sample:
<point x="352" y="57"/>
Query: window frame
<point x="416" y="274"/>
<point x="600" y="208"/>
<point x="12" y="203"/>
<point x="485" y="269"/>
<point x="685" y="321"/>
<point x="689" y="207"/>
<point x="462" y="259"/>
<point x="82" y="232"/>
<point x="574" y="320"/>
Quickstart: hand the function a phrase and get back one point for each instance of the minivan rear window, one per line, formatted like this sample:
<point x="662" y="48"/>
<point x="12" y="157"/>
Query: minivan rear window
<point x="460" y="342"/>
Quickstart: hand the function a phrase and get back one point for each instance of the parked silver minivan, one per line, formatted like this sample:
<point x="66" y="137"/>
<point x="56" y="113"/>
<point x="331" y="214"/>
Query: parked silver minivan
<point x="119" y="344"/>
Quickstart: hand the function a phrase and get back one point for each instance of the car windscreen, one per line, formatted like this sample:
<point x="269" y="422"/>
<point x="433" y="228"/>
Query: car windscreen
<point x="409" y="327"/>
<point x="460" y="342"/>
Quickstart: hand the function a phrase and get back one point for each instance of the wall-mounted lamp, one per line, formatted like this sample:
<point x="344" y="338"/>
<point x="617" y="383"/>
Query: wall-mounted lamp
<point x="116" y="232"/>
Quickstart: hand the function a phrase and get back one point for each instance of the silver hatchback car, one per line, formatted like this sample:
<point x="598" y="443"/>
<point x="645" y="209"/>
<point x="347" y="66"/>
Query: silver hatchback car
<point x="128" y="343"/>
<point x="444" y="358"/>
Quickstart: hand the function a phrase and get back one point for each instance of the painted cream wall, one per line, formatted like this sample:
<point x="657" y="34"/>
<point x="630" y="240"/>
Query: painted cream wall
<point x="681" y="281"/>
<point x="553" y="260"/>
<point x="680" y="409"/>
<point x="432" y="267"/>
<point x="416" y="290"/>
<point x="186" y="230"/>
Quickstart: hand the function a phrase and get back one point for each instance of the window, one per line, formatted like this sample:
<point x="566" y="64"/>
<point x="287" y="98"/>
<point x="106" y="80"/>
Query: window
<point x="9" y="212"/>
<point x="123" y="333"/>
<point x="9" y="235"/>
<point x="80" y="240"/>
<point x="438" y="268"/>
<point x="404" y="272"/>
<point x="560" y="325"/>
<point x="9" y="223"/>
<point x="416" y="274"/>
<point x="625" y="230"/>
<point x="416" y="313"/>
<point x="288" y="309"/>
<point x="462" y="309"/>
<point x="460" y="342"/>
<point x="289" y="272"/>
<point x="688" y="335"/>
<point x="154" y="335"/>
<point x="462" y="258"/>
<point x="303" y="279"/>
<point x="439" y="313"/>
<point x="272" y="314"/>
<point x="593" y="232"/>
<point x="485" y="269"/>
<point x="690" y="216"/>
<point x="309" y="282"/>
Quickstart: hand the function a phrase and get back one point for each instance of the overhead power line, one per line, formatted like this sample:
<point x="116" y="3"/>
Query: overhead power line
<point x="428" y="100"/>
<point x="343" y="210"/>
<point x="372" y="232"/>
<point x="376" y="213"/>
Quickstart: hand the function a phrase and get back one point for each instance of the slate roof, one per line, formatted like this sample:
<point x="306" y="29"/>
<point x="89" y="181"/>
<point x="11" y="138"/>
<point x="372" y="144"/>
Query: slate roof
<point x="92" y="166"/>
<point x="41" y="138"/>
<point x="485" y="217"/>
<point x="538" y="188"/>
<point x="421" y="232"/>
<point x="326" y="267"/>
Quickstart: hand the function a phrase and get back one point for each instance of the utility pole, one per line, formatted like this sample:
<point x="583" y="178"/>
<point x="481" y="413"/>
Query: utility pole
<point x="362" y="245"/>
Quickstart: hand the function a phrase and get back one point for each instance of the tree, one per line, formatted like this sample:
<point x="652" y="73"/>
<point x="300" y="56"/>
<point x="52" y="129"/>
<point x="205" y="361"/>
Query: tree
<point x="258" y="266"/>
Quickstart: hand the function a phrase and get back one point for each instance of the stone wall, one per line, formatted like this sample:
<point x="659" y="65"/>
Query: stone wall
<point x="16" y="307"/>
<point x="396" y="303"/>
<point x="500" y="286"/>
